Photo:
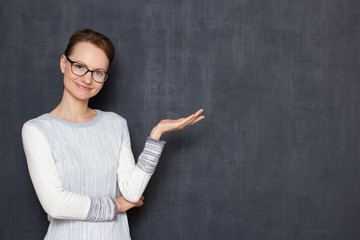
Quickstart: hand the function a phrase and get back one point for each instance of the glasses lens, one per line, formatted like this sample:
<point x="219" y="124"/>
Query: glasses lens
<point x="78" y="69"/>
<point x="100" y="76"/>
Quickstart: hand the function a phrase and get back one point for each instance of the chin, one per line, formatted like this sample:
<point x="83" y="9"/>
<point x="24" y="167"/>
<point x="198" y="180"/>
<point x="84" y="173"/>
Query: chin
<point x="84" y="97"/>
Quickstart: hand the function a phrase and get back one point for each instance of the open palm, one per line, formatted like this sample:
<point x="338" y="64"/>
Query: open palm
<point x="169" y="125"/>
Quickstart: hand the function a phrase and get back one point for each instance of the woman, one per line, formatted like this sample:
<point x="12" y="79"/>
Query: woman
<point x="80" y="159"/>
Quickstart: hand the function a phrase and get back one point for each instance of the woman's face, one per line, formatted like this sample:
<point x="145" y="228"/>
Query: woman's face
<point x="83" y="87"/>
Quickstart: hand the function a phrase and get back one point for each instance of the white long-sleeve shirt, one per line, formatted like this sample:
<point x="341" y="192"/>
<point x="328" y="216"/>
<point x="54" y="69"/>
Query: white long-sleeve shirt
<point x="77" y="169"/>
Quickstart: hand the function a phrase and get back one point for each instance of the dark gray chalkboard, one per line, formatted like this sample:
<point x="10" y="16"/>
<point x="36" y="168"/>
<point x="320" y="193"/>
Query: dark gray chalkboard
<point x="278" y="154"/>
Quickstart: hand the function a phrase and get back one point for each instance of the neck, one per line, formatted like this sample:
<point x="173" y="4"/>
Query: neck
<point x="73" y="110"/>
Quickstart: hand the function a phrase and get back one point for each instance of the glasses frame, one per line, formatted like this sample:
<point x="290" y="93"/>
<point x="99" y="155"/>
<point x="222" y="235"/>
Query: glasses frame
<point x="87" y="70"/>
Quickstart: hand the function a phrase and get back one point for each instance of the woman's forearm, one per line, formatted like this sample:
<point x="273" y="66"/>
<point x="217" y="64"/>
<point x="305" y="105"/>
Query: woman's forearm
<point x="133" y="179"/>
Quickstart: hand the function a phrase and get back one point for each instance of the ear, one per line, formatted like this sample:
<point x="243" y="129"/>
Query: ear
<point x="62" y="63"/>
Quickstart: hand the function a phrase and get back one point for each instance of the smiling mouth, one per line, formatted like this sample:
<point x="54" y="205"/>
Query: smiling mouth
<point x="83" y="87"/>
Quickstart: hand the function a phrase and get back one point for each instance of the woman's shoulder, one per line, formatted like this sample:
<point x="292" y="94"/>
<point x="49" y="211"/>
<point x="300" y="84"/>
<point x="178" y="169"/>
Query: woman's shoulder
<point x="40" y="120"/>
<point x="40" y="123"/>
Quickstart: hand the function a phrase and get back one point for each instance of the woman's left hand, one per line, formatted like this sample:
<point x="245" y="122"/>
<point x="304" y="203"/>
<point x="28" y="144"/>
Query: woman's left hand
<point x="169" y="125"/>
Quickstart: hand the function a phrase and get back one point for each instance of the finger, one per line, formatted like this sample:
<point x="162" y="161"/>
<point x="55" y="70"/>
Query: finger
<point x="193" y="121"/>
<point x="180" y="119"/>
<point x="176" y="120"/>
<point x="187" y="121"/>
<point x="190" y="119"/>
<point x="199" y="112"/>
<point x="140" y="203"/>
<point x="199" y="119"/>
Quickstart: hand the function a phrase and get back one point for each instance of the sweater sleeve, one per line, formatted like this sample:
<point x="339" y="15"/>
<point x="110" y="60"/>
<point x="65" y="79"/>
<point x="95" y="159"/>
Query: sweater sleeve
<point x="133" y="179"/>
<point x="56" y="201"/>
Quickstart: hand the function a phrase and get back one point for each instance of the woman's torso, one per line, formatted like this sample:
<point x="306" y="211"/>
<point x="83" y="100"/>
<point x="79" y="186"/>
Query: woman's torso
<point x="86" y="157"/>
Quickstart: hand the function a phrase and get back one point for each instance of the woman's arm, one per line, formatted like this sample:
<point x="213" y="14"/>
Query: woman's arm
<point x="133" y="179"/>
<point x="57" y="202"/>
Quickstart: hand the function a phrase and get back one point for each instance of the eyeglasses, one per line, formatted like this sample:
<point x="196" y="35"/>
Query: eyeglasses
<point x="80" y="69"/>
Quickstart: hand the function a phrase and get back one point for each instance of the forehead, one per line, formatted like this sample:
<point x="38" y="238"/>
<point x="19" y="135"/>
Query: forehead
<point x="89" y="54"/>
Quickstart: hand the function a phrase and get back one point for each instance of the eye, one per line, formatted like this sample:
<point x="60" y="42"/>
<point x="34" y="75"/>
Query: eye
<point x="78" y="66"/>
<point x="99" y="73"/>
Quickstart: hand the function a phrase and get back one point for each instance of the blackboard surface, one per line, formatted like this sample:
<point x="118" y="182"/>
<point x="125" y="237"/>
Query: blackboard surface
<point x="278" y="154"/>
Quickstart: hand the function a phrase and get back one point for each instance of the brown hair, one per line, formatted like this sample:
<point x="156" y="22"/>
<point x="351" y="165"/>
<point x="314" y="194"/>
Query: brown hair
<point x="91" y="36"/>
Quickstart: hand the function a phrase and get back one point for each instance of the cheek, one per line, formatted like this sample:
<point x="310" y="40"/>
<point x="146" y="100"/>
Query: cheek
<point x="99" y="87"/>
<point x="68" y="76"/>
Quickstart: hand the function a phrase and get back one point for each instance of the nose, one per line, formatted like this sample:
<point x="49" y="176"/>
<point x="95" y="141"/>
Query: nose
<point x="87" y="78"/>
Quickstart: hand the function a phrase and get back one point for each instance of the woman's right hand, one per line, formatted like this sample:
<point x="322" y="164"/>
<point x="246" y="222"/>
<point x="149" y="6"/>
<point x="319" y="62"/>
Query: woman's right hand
<point x="123" y="205"/>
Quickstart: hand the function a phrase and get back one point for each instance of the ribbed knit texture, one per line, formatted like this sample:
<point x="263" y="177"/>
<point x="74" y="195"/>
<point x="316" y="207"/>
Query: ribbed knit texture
<point x="77" y="169"/>
<point x="149" y="158"/>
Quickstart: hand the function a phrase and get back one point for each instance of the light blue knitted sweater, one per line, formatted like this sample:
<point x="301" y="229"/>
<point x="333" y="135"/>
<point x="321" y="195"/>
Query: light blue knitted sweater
<point x="77" y="169"/>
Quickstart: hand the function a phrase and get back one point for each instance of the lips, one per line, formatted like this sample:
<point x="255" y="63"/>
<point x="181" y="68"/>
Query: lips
<point x="83" y="87"/>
